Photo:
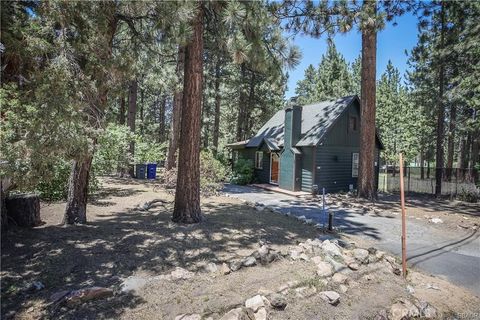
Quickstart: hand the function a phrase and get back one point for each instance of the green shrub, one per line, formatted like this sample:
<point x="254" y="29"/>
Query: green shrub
<point x="113" y="150"/>
<point x="149" y="151"/>
<point x="242" y="172"/>
<point x="469" y="195"/>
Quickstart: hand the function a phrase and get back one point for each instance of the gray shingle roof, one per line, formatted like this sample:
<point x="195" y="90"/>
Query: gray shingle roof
<point x="316" y="120"/>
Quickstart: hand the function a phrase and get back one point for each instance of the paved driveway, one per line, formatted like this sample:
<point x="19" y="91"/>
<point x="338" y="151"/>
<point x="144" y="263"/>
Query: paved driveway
<point x="452" y="255"/>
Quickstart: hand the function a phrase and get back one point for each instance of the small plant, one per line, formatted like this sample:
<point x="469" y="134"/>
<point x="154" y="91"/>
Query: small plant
<point x="471" y="196"/>
<point x="242" y="172"/>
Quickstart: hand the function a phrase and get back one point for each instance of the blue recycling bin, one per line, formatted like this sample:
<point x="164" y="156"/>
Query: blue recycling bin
<point x="152" y="171"/>
<point x="140" y="170"/>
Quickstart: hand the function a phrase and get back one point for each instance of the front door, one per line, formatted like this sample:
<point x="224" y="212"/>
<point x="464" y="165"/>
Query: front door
<point x="274" y="165"/>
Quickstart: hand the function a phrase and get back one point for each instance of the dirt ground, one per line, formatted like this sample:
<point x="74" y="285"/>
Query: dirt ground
<point x="121" y="240"/>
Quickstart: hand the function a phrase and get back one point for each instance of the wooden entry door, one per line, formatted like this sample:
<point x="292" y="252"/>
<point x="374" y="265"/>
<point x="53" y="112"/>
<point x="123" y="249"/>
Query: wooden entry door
<point x="274" y="166"/>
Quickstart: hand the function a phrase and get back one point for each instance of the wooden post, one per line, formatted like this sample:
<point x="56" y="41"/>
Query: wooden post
<point x="404" y="233"/>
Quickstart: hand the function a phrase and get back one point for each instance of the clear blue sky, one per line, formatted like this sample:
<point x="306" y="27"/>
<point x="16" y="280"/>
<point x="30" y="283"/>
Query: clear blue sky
<point x="392" y="42"/>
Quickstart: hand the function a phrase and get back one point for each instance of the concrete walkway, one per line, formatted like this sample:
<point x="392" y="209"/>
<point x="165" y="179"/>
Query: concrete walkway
<point x="451" y="255"/>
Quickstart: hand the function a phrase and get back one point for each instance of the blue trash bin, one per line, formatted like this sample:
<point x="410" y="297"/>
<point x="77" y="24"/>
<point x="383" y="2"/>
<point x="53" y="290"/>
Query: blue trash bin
<point x="140" y="170"/>
<point x="152" y="171"/>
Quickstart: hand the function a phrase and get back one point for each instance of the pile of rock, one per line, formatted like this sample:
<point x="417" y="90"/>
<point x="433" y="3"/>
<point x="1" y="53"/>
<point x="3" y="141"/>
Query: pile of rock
<point x="263" y="255"/>
<point x="406" y="309"/>
<point x="257" y="307"/>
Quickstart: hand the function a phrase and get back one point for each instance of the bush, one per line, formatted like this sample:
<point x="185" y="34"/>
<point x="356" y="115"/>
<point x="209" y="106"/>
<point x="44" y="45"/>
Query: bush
<point x="149" y="151"/>
<point x="212" y="174"/>
<point x="469" y="195"/>
<point x="242" y="172"/>
<point x="112" y="152"/>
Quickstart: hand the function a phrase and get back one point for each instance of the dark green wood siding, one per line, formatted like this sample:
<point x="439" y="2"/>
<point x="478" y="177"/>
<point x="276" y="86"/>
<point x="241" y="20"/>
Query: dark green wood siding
<point x="260" y="175"/>
<point x="307" y="169"/>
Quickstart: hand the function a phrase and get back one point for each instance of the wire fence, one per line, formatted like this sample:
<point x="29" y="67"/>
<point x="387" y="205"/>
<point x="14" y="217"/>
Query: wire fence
<point x="422" y="180"/>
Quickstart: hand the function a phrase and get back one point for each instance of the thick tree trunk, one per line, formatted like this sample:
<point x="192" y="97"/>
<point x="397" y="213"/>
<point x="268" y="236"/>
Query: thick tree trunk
<point x="216" y="122"/>
<point x="76" y="210"/>
<point x="121" y="113"/>
<point x="177" y="114"/>
<point x="132" y="112"/>
<point x="366" y="176"/>
<point x="187" y="197"/>
<point x="251" y="102"/>
<point x="451" y="142"/>
<point x="461" y="159"/>
<point x="24" y="210"/>
<point x="161" y="119"/>
<point x="440" y="115"/>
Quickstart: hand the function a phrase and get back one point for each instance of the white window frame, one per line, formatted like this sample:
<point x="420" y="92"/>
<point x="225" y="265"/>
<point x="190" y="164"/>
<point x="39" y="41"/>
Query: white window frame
<point x="258" y="159"/>
<point x="355" y="164"/>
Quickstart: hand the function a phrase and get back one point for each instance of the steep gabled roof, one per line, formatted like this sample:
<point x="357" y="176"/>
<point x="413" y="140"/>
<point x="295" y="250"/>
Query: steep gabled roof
<point x="317" y="118"/>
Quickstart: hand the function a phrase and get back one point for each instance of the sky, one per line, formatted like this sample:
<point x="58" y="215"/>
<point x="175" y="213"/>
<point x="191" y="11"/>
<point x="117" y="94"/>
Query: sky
<point x="392" y="42"/>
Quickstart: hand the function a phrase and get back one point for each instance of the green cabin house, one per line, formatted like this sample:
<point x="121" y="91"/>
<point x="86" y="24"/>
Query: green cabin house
<point x="306" y="147"/>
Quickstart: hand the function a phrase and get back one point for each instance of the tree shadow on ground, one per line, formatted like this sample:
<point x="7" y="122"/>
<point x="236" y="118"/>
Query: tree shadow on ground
<point x="111" y="248"/>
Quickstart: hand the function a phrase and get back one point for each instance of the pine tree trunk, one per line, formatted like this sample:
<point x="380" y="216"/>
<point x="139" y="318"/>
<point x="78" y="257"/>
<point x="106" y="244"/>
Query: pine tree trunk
<point x="121" y="114"/>
<point x="177" y="115"/>
<point x="187" y="197"/>
<point x="241" y="106"/>
<point x="250" y="106"/>
<point x="76" y="210"/>
<point x="422" y="166"/>
<point x="461" y="159"/>
<point x="440" y="115"/>
<point x="161" y="120"/>
<point x="142" y="92"/>
<point x="366" y="177"/>
<point x="216" y="123"/>
<point x="451" y="142"/>
<point x="132" y="112"/>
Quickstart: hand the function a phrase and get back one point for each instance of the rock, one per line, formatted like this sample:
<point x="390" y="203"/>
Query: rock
<point x="255" y="303"/>
<point x="239" y="314"/>
<point x="278" y="301"/>
<point x="270" y="257"/>
<point x="236" y="265"/>
<point x="337" y="266"/>
<point x="427" y="311"/>
<point x="436" y="220"/>
<point x="249" y="261"/>
<point x="353" y="266"/>
<point x="403" y="309"/>
<point x="339" y="278"/>
<point x="372" y="250"/>
<point x="302" y="218"/>
<point x="181" y="274"/>
<point x="410" y="289"/>
<point x="331" y="297"/>
<point x="360" y="255"/>
<point x="380" y="255"/>
<point x="225" y="269"/>
<point x="264" y="292"/>
<point x="331" y="248"/>
<point x="372" y="259"/>
<point x="263" y="251"/>
<point x="78" y="296"/>
<point x="259" y="208"/>
<point x="287" y="286"/>
<point x="211" y="267"/>
<point x="261" y="314"/>
<point x="133" y="283"/>
<point x="369" y="277"/>
<point x="317" y="259"/>
<point x="324" y="269"/>
<point x="305" y="292"/>
<point x="381" y="315"/>
<point x="304" y="257"/>
<point x="284" y="252"/>
<point x="193" y="316"/>
<point x="343" y="288"/>
<point x="294" y="254"/>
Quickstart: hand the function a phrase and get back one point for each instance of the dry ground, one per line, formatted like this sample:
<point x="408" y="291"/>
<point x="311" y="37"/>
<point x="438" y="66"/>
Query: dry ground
<point x="121" y="240"/>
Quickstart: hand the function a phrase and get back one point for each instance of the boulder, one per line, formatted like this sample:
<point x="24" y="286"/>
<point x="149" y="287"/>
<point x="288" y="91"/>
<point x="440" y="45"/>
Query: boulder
<point x="278" y="301"/>
<point x="261" y="314"/>
<point x="239" y="314"/>
<point x="211" y="268"/>
<point x="360" y="255"/>
<point x="337" y="266"/>
<point x="324" y="269"/>
<point x="249" y="261"/>
<point x="340" y="278"/>
<point x="193" y="316"/>
<point x="236" y="265"/>
<point x="331" y="297"/>
<point x="255" y="303"/>
<point x="331" y="249"/>
<point x="225" y="269"/>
